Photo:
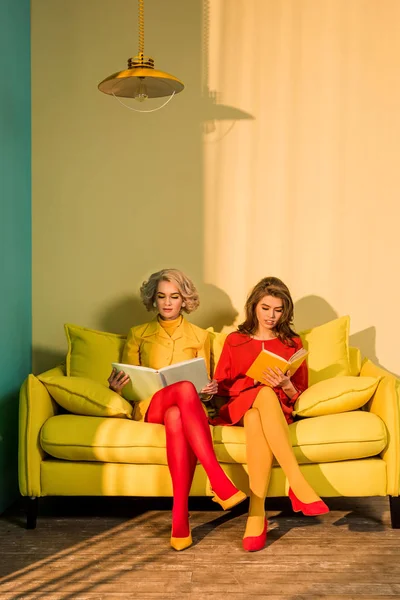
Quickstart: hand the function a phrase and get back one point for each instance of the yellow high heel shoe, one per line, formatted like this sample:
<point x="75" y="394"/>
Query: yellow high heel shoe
<point x="230" y="502"/>
<point x="179" y="544"/>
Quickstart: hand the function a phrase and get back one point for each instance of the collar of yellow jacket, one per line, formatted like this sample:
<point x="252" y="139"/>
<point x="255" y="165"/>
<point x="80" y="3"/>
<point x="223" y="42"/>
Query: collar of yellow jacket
<point x="183" y="330"/>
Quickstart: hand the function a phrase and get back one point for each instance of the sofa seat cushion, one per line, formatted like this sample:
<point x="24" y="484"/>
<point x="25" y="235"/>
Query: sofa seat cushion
<point x="330" y="438"/>
<point x="104" y="439"/>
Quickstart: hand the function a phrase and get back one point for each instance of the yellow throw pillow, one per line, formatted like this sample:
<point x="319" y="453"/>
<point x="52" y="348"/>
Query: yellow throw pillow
<point x="217" y="341"/>
<point x="336" y="395"/>
<point x="328" y="347"/>
<point x="91" y="352"/>
<point x="82" y="396"/>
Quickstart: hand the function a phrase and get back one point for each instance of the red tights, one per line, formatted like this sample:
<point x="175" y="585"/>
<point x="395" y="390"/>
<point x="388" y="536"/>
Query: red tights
<point x="179" y="408"/>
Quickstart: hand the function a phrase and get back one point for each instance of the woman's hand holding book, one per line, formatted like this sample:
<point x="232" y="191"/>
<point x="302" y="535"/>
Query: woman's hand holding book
<point x="117" y="381"/>
<point x="276" y="377"/>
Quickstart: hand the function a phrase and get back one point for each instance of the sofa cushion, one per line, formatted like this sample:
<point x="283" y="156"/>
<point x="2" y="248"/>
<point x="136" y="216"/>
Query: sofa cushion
<point x="336" y="395"/>
<point x="73" y="437"/>
<point x="91" y="352"/>
<point x="83" y="396"/>
<point x="344" y="436"/>
<point x="355" y="361"/>
<point x="351" y="435"/>
<point x="328" y="347"/>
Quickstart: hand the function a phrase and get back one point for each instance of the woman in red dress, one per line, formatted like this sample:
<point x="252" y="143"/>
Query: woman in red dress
<point x="265" y="408"/>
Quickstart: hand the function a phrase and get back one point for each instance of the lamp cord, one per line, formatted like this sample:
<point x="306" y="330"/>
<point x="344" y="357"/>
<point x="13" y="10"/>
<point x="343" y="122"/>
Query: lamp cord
<point x="144" y="111"/>
<point x="141" y="27"/>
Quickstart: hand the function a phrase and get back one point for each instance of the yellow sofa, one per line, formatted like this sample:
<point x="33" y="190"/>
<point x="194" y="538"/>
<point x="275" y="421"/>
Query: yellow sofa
<point x="352" y="453"/>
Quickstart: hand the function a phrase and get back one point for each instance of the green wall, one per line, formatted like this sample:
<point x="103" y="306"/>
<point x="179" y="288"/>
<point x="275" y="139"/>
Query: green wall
<point x="15" y="231"/>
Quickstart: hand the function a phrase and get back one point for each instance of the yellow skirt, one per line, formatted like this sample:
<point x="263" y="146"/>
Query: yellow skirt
<point x="140" y="409"/>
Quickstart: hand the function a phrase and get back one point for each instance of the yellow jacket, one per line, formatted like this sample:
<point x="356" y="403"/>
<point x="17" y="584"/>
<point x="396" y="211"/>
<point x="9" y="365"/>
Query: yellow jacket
<point x="149" y="345"/>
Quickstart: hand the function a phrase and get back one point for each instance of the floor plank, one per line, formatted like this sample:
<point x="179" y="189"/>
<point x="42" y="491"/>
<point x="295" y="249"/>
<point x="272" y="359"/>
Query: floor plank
<point x="95" y="550"/>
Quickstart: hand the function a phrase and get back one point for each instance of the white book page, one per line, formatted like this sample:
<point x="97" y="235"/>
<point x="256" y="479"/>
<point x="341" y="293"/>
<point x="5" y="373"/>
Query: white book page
<point x="144" y="382"/>
<point x="193" y="370"/>
<point x="298" y="354"/>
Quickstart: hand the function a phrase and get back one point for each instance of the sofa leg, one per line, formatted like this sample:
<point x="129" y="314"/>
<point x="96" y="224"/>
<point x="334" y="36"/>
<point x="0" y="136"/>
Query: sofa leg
<point x="395" y="511"/>
<point x="32" y="505"/>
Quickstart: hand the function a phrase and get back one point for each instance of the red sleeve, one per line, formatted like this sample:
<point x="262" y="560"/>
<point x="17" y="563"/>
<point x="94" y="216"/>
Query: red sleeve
<point x="300" y="378"/>
<point x="223" y="371"/>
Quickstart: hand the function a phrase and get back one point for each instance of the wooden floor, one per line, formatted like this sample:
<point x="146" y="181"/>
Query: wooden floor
<point x="119" y="548"/>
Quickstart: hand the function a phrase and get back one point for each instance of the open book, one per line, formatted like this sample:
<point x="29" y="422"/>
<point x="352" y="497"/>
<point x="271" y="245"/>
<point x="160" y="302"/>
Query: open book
<point x="145" y="381"/>
<point x="268" y="359"/>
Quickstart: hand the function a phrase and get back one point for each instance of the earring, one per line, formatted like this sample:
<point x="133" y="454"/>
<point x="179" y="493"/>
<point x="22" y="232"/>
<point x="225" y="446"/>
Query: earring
<point x="154" y="304"/>
<point x="183" y="304"/>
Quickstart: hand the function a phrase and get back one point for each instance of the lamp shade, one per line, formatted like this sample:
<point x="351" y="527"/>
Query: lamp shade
<point x="140" y="80"/>
<point x="136" y="80"/>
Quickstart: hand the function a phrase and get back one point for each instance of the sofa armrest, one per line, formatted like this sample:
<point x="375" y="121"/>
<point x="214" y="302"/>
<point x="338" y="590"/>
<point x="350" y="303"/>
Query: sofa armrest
<point x="35" y="407"/>
<point x="385" y="404"/>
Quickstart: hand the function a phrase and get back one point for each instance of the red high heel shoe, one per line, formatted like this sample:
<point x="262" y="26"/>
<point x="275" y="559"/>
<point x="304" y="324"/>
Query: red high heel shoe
<point x="311" y="509"/>
<point x="256" y="542"/>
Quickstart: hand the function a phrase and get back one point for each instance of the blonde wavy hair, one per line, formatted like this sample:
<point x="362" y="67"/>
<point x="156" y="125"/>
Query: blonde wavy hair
<point x="185" y="286"/>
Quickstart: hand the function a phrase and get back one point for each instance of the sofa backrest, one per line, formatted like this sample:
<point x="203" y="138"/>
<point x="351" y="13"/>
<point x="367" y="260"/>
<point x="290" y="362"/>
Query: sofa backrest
<point x="91" y="352"/>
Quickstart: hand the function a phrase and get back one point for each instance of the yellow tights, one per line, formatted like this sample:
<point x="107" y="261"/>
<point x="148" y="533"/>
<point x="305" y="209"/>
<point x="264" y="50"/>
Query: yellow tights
<point x="267" y="435"/>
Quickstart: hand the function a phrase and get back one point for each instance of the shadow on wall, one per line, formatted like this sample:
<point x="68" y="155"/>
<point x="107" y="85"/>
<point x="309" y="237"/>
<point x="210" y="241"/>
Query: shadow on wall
<point x="116" y="318"/>
<point x="216" y="310"/>
<point x="46" y="358"/>
<point x="123" y="314"/>
<point x="365" y="340"/>
<point x="312" y="311"/>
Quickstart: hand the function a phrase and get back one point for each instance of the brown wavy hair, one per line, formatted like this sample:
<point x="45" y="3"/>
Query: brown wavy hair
<point x="270" y="286"/>
<point x="185" y="286"/>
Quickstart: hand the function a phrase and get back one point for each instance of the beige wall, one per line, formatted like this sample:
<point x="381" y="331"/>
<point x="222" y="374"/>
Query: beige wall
<point x="302" y="184"/>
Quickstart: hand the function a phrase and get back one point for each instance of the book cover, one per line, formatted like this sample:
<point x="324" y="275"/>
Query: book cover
<point x="268" y="359"/>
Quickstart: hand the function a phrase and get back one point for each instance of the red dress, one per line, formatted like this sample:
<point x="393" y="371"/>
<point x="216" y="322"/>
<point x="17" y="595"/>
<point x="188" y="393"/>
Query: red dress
<point x="238" y="353"/>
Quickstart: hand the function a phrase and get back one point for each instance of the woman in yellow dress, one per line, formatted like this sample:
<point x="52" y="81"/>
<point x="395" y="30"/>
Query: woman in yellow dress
<point x="169" y="339"/>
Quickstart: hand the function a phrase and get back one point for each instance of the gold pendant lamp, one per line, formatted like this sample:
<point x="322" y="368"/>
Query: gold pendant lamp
<point x="141" y="80"/>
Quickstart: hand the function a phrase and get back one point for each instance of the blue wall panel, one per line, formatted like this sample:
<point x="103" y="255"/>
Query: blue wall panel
<point x="15" y="231"/>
